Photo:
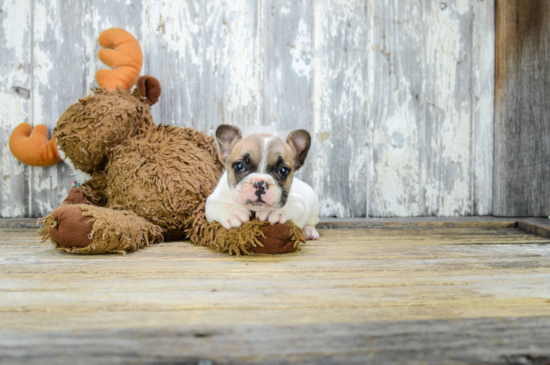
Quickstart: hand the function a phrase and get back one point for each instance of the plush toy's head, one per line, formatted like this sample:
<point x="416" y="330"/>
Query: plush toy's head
<point x="93" y="125"/>
<point x="89" y="128"/>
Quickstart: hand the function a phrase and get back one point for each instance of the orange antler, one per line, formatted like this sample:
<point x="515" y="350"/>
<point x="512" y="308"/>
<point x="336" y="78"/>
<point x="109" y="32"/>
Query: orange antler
<point x="123" y="54"/>
<point x="33" y="148"/>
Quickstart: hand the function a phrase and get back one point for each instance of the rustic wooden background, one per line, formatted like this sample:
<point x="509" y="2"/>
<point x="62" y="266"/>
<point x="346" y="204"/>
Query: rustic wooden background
<point x="522" y="108"/>
<point x="399" y="95"/>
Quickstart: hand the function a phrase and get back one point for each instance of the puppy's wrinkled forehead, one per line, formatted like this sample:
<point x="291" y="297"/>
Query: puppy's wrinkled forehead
<point x="263" y="150"/>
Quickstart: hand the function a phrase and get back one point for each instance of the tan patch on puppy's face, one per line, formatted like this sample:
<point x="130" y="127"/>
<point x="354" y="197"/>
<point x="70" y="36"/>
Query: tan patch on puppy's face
<point x="260" y="171"/>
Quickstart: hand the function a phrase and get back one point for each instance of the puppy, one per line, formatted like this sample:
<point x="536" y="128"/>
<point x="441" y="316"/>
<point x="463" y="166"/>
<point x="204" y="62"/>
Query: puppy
<point x="259" y="181"/>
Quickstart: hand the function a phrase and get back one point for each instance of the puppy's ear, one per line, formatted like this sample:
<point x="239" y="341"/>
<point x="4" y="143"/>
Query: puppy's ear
<point x="299" y="140"/>
<point x="227" y="135"/>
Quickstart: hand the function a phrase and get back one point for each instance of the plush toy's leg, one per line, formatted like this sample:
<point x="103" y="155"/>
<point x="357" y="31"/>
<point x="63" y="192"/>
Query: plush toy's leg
<point x="277" y="239"/>
<point x="87" y="229"/>
<point x="252" y="237"/>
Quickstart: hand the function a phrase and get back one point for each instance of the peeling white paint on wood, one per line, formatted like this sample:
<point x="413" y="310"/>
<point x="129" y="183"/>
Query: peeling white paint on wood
<point x="58" y="81"/>
<point x="288" y="76"/>
<point x="207" y="56"/>
<point x="395" y="113"/>
<point x="398" y="96"/>
<point x="15" y="81"/>
<point x="339" y="122"/>
<point x="447" y="174"/>
<point x="430" y="105"/>
<point x="483" y="102"/>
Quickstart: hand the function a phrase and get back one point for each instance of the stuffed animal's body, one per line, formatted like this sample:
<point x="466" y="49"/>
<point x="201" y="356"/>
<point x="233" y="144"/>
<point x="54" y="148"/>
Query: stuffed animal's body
<point x="142" y="183"/>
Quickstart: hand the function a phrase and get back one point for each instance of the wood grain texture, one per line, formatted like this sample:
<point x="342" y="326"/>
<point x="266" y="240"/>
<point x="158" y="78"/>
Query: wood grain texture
<point x="430" y="107"/>
<point x="393" y="223"/>
<point x="208" y="57"/>
<point x="354" y="223"/>
<point x="485" y="341"/>
<point x="522" y="109"/>
<point x="289" y="71"/>
<point x="483" y="104"/>
<point x="59" y="52"/>
<point x="537" y="226"/>
<point x="470" y="295"/>
<point x="339" y="152"/>
<point x="288" y="64"/>
<point x="15" y="85"/>
<point x="397" y="95"/>
<point x="395" y="111"/>
<point x="447" y="160"/>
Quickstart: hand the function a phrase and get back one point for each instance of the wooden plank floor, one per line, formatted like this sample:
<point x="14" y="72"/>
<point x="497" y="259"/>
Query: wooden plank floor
<point x="430" y="296"/>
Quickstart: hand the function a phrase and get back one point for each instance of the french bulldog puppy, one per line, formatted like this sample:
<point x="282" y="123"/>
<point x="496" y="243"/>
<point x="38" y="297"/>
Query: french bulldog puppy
<point x="259" y="181"/>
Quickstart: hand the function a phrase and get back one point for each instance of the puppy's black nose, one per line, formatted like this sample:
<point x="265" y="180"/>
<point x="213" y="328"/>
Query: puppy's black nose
<point x="261" y="187"/>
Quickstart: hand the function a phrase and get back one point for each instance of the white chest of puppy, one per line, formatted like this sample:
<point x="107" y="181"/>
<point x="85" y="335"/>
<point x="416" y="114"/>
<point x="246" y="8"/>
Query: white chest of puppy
<point x="259" y="181"/>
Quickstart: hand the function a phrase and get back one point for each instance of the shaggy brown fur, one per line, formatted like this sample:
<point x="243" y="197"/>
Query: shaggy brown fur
<point x="113" y="231"/>
<point x="165" y="176"/>
<point x="242" y="241"/>
<point x="98" y="122"/>
<point x="95" y="189"/>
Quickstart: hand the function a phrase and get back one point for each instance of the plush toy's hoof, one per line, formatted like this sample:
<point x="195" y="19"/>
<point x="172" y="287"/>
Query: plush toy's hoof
<point x="251" y="236"/>
<point x="72" y="228"/>
<point x="75" y="197"/>
<point x="276" y="240"/>
<point x="87" y="229"/>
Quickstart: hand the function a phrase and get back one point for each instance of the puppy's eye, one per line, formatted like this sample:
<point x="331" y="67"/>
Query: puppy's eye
<point x="238" y="167"/>
<point x="283" y="171"/>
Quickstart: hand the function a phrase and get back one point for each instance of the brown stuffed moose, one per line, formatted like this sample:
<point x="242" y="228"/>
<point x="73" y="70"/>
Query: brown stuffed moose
<point x="142" y="183"/>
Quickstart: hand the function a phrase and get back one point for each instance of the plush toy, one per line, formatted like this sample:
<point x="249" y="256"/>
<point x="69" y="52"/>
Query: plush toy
<point x="141" y="183"/>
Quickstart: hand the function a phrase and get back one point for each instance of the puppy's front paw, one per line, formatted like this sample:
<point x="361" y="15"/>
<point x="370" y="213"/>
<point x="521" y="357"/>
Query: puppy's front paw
<point x="311" y="233"/>
<point x="273" y="216"/>
<point x="234" y="217"/>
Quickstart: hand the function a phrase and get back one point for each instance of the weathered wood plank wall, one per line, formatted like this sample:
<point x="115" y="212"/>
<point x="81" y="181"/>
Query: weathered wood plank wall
<point x="522" y="108"/>
<point x="15" y="85"/>
<point x="397" y="94"/>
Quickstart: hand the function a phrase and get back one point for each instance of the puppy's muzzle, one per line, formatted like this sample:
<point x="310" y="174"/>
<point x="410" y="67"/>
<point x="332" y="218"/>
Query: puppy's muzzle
<point x="260" y="187"/>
